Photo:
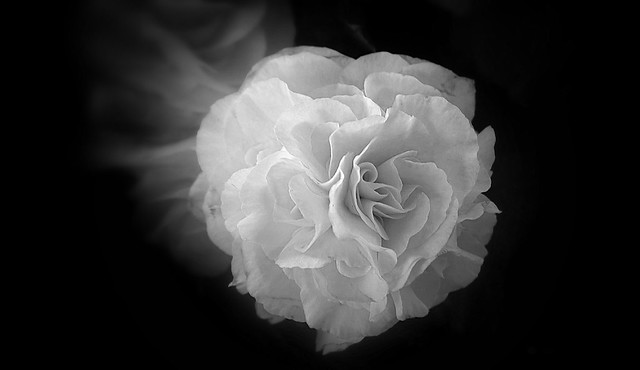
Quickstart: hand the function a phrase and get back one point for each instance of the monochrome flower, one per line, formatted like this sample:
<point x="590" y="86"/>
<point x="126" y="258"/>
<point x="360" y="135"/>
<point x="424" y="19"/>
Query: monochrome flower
<point x="348" y="192"/>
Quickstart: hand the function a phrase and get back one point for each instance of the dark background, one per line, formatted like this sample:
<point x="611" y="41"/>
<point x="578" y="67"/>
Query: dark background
<point x="123" y="302"/>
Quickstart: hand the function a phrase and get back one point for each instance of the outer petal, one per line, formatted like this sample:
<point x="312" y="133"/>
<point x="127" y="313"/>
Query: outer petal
<point x="347" y="323"/>
<point x="265" y="315"/>
<point x="237" y="267"/>
<point x="407" y="304"/>
<point x="357" y="71"/>
<point x="460" y="91"/>
<point x="333" y="55"/>
<point x="238" y="125"/>
<point x="424" y="250"/>
<point x="295" y="130"/>
<point x="444" y="136"/>
<point x="269" y="285"/>
<point x="302" y="72"/>
<point x="383" y="87"/>
<point x="330" y="91"/>
<point x="211" y="146"/>
<point x="459" y="265"/>
<point x="258" y="202"/>
<point x="361" y="106"/>
<point x="230" y="203"/>
<point x="348" y="254"/>
<point x="327" y="343"/>
<point x="216" y="229"/>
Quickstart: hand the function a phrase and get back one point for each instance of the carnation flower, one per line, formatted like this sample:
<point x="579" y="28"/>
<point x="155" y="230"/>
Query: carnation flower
<point x="348" y="192"/>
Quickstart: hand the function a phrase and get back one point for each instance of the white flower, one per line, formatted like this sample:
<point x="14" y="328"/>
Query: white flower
<point x="348" y="191"/>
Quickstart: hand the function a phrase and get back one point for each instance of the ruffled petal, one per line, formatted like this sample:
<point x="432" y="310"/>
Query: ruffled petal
<point x="258" y="226"/>
<point x="312" y="202"/>
<point x="302" y="72"/>
<point x="401" y="230"/>
<point x="366" y="289"/>
<point x="407" y="304"/>
<point x="332" y="90"/>
<point x="258" y="107"/>
<point x="433" y="182"/>
<point x="340" y="320"/>
<point x="421" y="249"/>
<point x="296" y="127"/>
<point x="459" y="265"/>
<point x="263" y="314"/>
<point x="475" y="234"/>
<point x="442" y="134"/>
<point x="238" y="127"/>
<point x="230" y="200"/>
<point x="327" y="343"/>
<point x="216" y="161"/>
<point x="345" y="224"/>
<point x="383" y="87"/>
<point x="237" y="267"/>
<point x="351" y="261"/>
<point x="357" y="71"/>
<point x="486" y="156"/>
<point x="361" y="106"/>
<point x="216" y="229"/>
<point x="352" y="137"/>
<point x="460" y="91"/>
<point x="330" y="54"/>
<point x="269" y="285"/>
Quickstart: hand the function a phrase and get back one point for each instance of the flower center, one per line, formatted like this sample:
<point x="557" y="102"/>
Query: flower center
<point x="372" y="199"/>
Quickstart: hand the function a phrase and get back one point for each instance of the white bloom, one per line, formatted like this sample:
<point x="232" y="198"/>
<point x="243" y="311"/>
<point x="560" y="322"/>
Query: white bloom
<point x="348" y="191"/>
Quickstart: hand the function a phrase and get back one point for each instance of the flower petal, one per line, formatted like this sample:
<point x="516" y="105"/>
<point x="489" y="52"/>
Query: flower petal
<point x="340" y="320"/>
<point x="459" y="265"/>
<point x="345" y="224"/>
<point x="407" y="304"/>
<point x="216" y="161"/>
<point x="422" y="249"/>
<point x="258" y="107"/>
<point x="216" y="229"/>
<point x="258" y="205"/>
<point x="302" y="72"/>
<point x="295" y="130"/>
<point x="237" y="267"/>
<point x="312" y="202"/>
<point x="475" y="234"/>
<point x="434" y="183"/>
<point x="327" y="343"/>
<point x="230" y="203"/>
<point x="441" y="134"/>
<point x="351" y="261"/>
<point x="269" y="285"/>
<point x="401" y="230"/>
<point x="330" y="54"/>
<point x="361" y="106"/>
<point x="332" y="90"/>
<point x="383" y="87"/>
<point x="460" y="91"/>
<point x="357" y="71"/>
<point x="486" y="156"/>
<point x="352" y="137"/>
<point x="263" y="314"/>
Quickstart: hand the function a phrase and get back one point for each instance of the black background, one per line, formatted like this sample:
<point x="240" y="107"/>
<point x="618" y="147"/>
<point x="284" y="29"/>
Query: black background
<point x="123" y="302"/>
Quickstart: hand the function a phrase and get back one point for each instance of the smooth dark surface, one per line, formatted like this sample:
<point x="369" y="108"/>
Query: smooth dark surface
<point x="126" y="303"/>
